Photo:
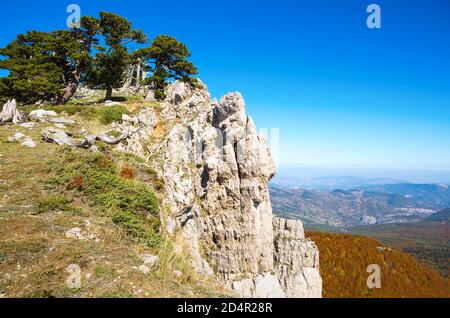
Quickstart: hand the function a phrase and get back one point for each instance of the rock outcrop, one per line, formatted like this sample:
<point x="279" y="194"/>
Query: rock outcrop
<point x="216" y="170"/>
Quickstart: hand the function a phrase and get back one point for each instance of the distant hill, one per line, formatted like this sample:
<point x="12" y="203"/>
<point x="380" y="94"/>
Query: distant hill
<point x="428" y="240"/>
<point x="443" y="215"/>
<point x="348" y="208"/>
<point x="344" y="259"/>
<point x="330" y="183"/>
<point x="435" y="196"/>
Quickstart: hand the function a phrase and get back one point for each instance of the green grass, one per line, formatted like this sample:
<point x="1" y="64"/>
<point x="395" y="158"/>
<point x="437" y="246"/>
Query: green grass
<point x="106" y="272"/>
<point x="129" y="203"/>
<point x="104" y="115"/>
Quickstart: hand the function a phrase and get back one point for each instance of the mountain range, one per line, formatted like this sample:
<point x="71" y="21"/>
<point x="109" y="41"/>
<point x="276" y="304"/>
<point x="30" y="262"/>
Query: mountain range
<point x="371" y="204"/>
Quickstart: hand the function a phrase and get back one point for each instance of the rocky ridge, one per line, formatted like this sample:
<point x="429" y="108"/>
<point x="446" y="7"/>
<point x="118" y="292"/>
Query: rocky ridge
<point x="216" y="170"/>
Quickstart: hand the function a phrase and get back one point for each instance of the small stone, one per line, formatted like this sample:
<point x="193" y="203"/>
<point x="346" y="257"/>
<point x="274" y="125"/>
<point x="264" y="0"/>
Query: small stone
<point x="87" y="223"/>
<point x="75" y="233"/>
<point x="92" y="237"/>
<point x="17" y="137"/>
<point x="109" y="103"/>
<point x="28" y="142"/>
<point x="178" y="273"/>
<point x="144" y="269"/>
<point x="151" y="261"/>
<point x="28" y="125"/>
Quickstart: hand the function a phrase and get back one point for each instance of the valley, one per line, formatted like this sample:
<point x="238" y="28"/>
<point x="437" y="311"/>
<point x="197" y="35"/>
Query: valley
<point x="407" y="217"/>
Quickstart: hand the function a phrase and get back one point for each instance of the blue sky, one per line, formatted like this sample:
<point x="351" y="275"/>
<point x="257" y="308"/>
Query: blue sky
<point x="340" y="93"/>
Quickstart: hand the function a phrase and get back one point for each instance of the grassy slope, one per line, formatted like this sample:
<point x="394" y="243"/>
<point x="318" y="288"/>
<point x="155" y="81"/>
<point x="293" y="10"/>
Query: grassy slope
<point x="344" y="260"/>
<point x="37" y="207"/>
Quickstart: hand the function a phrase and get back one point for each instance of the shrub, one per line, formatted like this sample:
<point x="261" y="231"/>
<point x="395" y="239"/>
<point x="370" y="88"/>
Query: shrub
<point x="112" y="114"/>
<point x="54" y="203"/>
<point x="76" y="183"/>
<point x="130" y="204"/>
<point x="127" y="173"/>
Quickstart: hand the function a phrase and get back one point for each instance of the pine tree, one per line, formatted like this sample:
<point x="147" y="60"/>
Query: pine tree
<point x="33" y="73"/>
<point x="48" y="65"/>
<point x="166" y="58"/>
<point x="113" y="59"/>
<point x="74" y="50"/>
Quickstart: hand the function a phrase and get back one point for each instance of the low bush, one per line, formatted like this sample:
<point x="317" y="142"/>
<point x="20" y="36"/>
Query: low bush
<point x="54" y="203"/>
<point x="112" y="114"/>
<point x="129" y="203"/>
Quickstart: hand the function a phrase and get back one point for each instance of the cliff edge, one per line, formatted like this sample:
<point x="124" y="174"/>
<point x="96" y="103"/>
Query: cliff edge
<point x="216" y="170"/>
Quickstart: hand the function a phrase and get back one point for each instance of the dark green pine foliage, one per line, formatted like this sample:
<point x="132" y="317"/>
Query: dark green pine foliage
<point x="33" y="73"/>
<point x="167" y="59"/>
<point x="113" y="58"/>
<point x="47" y="66"/>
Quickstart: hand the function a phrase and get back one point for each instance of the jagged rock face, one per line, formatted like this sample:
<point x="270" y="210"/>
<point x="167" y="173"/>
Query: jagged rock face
<point x="137" y="143"/>
<point x="297" y="260"/>
<point x="216" y="170"/>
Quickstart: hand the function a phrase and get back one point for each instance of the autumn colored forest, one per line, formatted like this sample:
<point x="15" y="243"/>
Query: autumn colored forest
<point x="344" y="260"/>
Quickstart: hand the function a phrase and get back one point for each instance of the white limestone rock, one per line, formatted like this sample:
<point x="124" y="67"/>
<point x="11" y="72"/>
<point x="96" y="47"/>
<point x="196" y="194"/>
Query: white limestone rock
<point x="28" y="125"/>
<point x="151" y="261"/>
<point x="144" y="269"/>
<point x="216" y="169"/>
<point x="16" y="137"/>
<point x="268" y="286"/>
<point x="42" y="113"/>
<point x="151" y="97"/>
<point x="297" y="260"/>
<point x="29" y="142"/>
<point x="77" y="234"/>
<point x="49" y="116"/>
<point x="57" y="136"/>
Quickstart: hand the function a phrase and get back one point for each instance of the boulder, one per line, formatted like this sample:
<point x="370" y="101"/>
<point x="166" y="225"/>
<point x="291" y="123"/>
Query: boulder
<point x="57" y="136"/>
<point x="49" y="116"/>
<point x="151" y="97"/>
<point x="42" y="113"/>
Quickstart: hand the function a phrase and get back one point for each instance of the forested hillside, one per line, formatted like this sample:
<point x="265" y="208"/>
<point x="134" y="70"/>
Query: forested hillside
<point x="344" y="260"/>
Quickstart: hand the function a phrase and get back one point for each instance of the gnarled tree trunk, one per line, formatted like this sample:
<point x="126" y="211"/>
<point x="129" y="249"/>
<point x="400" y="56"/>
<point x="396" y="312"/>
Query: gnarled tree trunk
<point x="10" y="113"/>
<point x="70" y="90"/>
<point x="109" y="92"/>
